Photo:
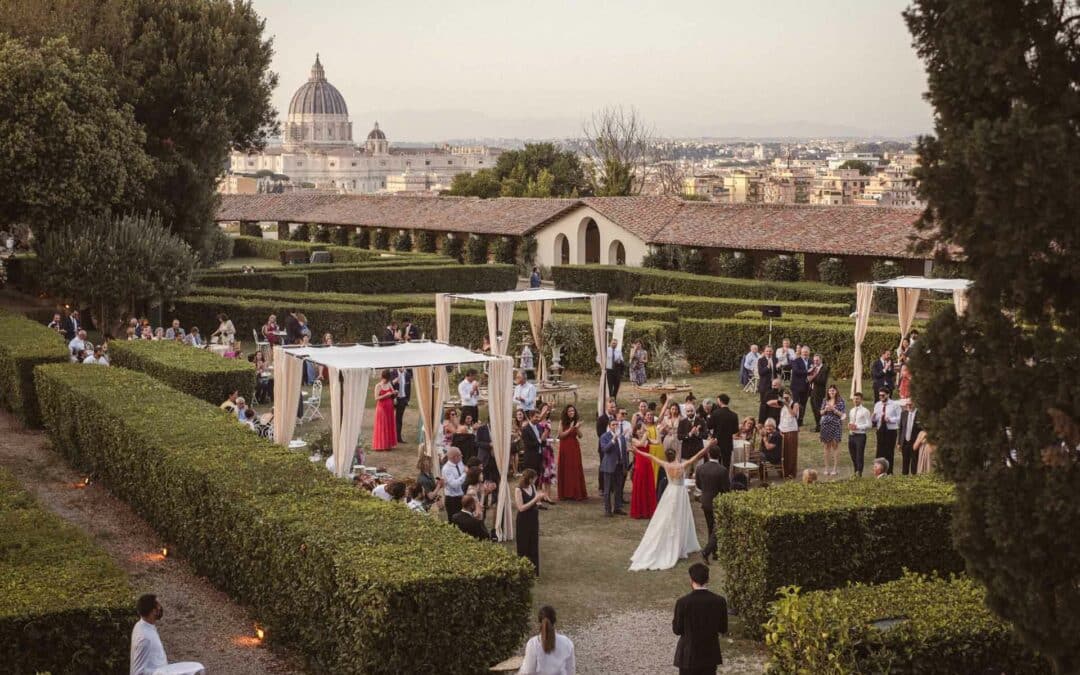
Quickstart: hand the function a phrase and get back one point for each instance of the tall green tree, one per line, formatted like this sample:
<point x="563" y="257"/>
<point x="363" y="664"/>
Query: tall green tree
<point x="481" y="184"/>
<point x="864" y="167"/>
<point x="69" y="147"/>
<point x="196" y="73"/>
<point x="537" y="170"/>
<point x="997" y="387"/>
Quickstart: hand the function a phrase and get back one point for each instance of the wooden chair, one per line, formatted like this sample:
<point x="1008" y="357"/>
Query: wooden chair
<point x="765" y="466"/>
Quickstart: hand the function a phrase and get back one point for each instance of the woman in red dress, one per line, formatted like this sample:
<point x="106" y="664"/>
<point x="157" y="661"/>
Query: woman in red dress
<point x="570" y="474"/>
<point x="384" y="437"/>
<point x="643" y="489"/>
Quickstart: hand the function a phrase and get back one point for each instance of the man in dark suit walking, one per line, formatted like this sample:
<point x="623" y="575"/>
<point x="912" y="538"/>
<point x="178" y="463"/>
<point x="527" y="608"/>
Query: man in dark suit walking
<point x="800" y="384"/>
<point x="700" y="618"/>
<point x="401" y="378"/>
<point x="768" y="370"/>
<point x="712" y="479"/>
<point x="602" y="422"/>
<point x="819" y="387"/>
<point x="532" y="458"/>
<point x="723" y="425"/>
<point x="613" y="463"/>
<point x="909" y="431"/>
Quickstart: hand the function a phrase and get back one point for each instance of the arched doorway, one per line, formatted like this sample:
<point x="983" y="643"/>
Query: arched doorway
<point x="592" y="242"/>
<point x="616" y="253"/>
<point x="561" y="255"/>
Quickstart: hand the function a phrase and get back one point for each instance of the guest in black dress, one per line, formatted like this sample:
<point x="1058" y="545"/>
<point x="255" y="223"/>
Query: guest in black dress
<point x="527" y="499"/>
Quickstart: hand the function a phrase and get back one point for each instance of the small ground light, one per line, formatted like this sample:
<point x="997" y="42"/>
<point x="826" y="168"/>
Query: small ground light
<point x="164" y="551"/>
<point x="86" y="481"/>
<point x="260" y="633"/>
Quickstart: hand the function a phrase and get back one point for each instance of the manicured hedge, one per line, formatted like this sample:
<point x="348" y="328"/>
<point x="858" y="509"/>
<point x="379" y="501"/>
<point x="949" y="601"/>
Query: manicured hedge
<point x="198" y="372"/>
<point x="710" y="308"/>
<point x="823" y="535"/>
<point x="629" y="282"/>
<point x="65" y="607"/>
<point x="357" y="584"/>
<point x="421" y="278"/>
<point x="256" y="247"/>
<point x="879" y="320"/>
<point x="23" y="345"/>
<point x="469" y="327"/>
<point x="639" y="312"/>
<point x="719" y="344"/>
<point x="301" y="298"/>
<point x="944" y="629"/>
<point x="346" y="322"/>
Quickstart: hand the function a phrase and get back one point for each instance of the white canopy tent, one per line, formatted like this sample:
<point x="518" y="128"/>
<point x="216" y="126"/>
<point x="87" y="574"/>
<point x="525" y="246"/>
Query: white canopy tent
<point x="500" y="317"/>
<point x="350" y="371"/>
<point x="908" y="290"/>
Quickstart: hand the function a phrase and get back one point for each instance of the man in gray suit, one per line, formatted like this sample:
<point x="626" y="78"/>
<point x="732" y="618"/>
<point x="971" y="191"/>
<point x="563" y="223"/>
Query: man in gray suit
<point x="712" y="479"/>
<point x="613" y="462"/>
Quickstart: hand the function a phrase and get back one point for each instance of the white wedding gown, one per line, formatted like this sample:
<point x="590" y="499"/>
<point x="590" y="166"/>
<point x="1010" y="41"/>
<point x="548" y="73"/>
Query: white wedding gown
<point x="671" y="534"/>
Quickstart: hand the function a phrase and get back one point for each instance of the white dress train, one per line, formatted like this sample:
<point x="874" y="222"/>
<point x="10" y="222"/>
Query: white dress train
<point x="671" y="534"/>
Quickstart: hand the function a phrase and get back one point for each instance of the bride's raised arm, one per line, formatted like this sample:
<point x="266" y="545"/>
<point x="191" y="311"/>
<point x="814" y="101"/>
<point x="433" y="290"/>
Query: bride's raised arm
<point x="649" y="457"/>
<point x="695" y="457"/>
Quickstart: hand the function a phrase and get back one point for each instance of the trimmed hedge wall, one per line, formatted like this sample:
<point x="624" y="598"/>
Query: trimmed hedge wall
<point x="256" y="247"/>
<point x="300" y="298"/>
<point x="823" y="535"/>
<point x="23" y="345"/>
<point x="945" y="629"/>
<point x="346" y="322"/>
<point x="419" y="278"/>
<point x="198" y="372"/>
<point x="469" y="327"/>
<point x="720" y="344"/>
<point x="629" y="282"/>
<point x="889" y="321"/>
<point x="711" y="308"/>
<point x="65" y="606"/>
<point x="345" y="578"/>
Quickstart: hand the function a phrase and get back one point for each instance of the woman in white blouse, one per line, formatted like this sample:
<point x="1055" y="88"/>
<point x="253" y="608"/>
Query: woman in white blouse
<point x="548" y="653"/>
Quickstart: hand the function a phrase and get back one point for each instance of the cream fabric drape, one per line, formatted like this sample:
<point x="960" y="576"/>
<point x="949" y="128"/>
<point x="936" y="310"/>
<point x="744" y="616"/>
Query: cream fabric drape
<point x="539" y="312"/>
<point x="348" y="401"/>
<point x="599" y="326"/>
<point x="500" y="319"/>
<point x="287" y="377"/>
<point x="430" y="396"/>
<point x="907" y="302"/>
<point x="864" y="298"/>
<point x="443" y="302"/>
<point x="960" y="300"/>
<point x="500" y="391"/>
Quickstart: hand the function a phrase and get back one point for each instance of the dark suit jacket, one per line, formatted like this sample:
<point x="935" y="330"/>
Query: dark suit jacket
<point x="601" y="428"/>
<point x="799" y="385"/>
<point x="691" y="444"/>
<point x="712" y="479"/>
<point x="915" y="428"/>
<point x="612" y="455"/>
<point x="293" y="332"/>
<point x="470" y="525"/>
<point x="68" y="327"/>
<point x="533" y="455"/>
<point x="407" y="373"/>
<point x="881" y="377"/>
<point x="412" y="331"/>
<point x="700" y="618"/>
<point x="724" y="424"/>
<point x="820" y="386"/>
<point x="767" y="370"/>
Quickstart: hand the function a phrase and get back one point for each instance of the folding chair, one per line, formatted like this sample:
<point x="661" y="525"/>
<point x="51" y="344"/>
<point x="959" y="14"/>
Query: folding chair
<point x="766" y="466"/>
<point x="260" y="344"/>
<point x="311" y="405"/>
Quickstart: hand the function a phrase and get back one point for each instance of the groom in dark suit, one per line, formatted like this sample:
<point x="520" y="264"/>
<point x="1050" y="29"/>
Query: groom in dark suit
<point x="401" y="378"/>
<point x="613" y="468"/>
<point x="712" y="479"/>
<point x="700" y="618"/>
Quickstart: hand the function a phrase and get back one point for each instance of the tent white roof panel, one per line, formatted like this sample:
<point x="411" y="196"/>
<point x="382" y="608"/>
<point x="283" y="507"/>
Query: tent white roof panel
<point x="403" y="355"/>
<point x="925" y="284"/>
<point x="530" y="295"/>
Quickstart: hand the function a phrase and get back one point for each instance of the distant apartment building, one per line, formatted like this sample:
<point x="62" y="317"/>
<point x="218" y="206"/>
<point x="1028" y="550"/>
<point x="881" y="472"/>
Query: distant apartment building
<point x="834" y="161"/>
<point x="839" y="187"/>
<point x="710" y="186"/>
<point x="745" y="187"/>
<point x="893" y="186"/>
<point x="787" y="187"/>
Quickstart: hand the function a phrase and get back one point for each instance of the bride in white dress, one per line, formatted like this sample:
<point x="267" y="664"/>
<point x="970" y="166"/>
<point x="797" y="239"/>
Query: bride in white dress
<point x="671" y="534"/>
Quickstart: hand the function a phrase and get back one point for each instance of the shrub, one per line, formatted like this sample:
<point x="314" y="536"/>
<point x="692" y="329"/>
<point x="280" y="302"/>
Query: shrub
<point x="347" y="323"/>
<point x="707" y="308"/>
<point x="425" y="276"/>
<point x="693" y="261"/>
<point x="300" y="299"/>
<point x="793" y="318"/>
<point x="217" y="247"/>
<point x="341" y="236"/>
<point x="301" y="233"/>
<point x="885" y="298"/>
<point x="823" y="535"/>
<point x="663" y="257"/>
<point x="476" y="250"/>
<point x="250" y="247"/>
<point x="382" y="239"/>
<point x="505" y="250"/>
<point x="198" y="372"/>
<point x="403" y="241"/>
<point x="469" y="327"/>
<point x="719" y="344"/>
<point x="781" y="268"/>
<point x="361" y="238"/>
<point x="304" y="550"/>
<point x="832" y="271"/>
<point x="66" y="606"/>
<point x="944" y="628"/>
<point x="528" y="251"/>
<point x="454" y="247"/>
<point x="734" y="264"/>
<point x="322" y="234"/>
<point x="23" y="345"/>
<point x="628" y="282"/>
<point x="426" y="242"/>
<point x="248" y="229"/>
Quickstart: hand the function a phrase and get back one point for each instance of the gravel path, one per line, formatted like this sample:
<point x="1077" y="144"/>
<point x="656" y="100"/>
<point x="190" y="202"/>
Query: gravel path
<point x="201" y="623"/>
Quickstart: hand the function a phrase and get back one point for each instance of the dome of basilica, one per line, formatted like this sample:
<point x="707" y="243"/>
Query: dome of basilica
<point x="317" y="96"/>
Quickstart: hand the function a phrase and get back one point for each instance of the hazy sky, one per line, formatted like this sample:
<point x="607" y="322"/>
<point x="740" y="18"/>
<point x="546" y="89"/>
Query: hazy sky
<point x="499" y="68"/>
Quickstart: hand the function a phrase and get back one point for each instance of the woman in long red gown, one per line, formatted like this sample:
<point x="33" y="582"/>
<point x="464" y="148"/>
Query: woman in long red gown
<point x="384" y="437"/>
<point x="643" y="489"/>
<point x="569" y="474"/>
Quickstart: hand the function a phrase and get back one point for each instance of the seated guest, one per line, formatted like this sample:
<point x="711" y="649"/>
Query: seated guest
<point x="234" y="352"/>
<point x="426" y="479"/>
<point x="464" y="440"/>
<point x="147" y="652"/>
<point x="131" y="334"/>
<point x="264" y="379"/>
<point x="394" y="491"/>
<point x="416" y="498"/>
<point x="881" y="468"/>
<point x="159" y="333"/>
<point x="772" y="442"/>
<point x="809" y="476"/>
<point x="96" y="358"/>
<point x="57" y="324"/>
<point x="146" y="333"/>
<point x="175" y="332"/>
<point x="241" y="406"/>
<point x="77" y="345"/>
<point x="548" y="652"/>
<point x="269" y="330"/>
<point x="194" y="338"/>
<point x="484" y="452"/>
<point x="468" y="519"/>
<point x="249" y="418"/>
<point x="229" y="404"/>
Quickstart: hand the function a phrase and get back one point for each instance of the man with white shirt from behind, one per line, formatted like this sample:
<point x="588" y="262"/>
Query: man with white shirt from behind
<point x="77" y="345"/>
<point x="858" y="425"/>
<point x="453" y="474"/>
<point x="469" y="393"/>
<point x="524" y="394"/>
<point x="886" y="420"/>
<point x="749" y="365"/>
<point x="147" y="652"/>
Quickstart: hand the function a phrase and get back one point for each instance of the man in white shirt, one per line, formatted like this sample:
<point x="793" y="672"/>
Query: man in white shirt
<point x="785" y="356"/>
<point x="749" y="365"/>
<point x="147" y="652"/>
<point x="175" y="332"/>
<point x="886" y="419"/>
<point x="858" y="425"/>
<point x="614" y="368"/>
<point x="453" y="473"/>
<point x="469" y="393"/>
<point x="524" y="394"/>
<point x="77" y="345"/>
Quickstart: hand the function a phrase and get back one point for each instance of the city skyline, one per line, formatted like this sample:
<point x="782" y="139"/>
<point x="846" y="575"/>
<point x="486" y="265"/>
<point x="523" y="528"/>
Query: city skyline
<point x="492" y="70"/>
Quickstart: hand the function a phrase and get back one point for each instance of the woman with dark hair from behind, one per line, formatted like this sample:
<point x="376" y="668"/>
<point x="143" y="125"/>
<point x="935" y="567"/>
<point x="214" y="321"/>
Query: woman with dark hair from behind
<point x="548" y="653"/>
